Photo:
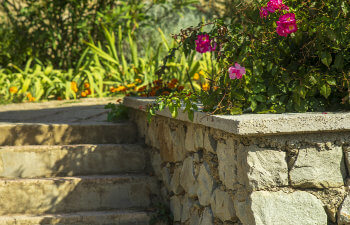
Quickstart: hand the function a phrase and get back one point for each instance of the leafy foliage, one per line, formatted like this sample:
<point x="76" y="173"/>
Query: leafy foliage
<point x="307" y="71"/>
<point x="117" y="113"/>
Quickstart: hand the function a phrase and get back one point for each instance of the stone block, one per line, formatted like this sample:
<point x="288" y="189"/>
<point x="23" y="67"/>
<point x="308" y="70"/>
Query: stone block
<point x="175" y="181"/>
<point x="318" y="169"/>
<point x="276" y="208"/>
<point x="344" y="212"/>
<point x="156" y="162"/>
<point x="222" y="205"/>
<point x="171" y="141"/>
<point x="262" y="168"/>
<point x="187" y="204"/>
<point x="206" y="217"/>
<point x="210" y="143"/>
<point x="187" y="177"/>
<point x="176" y="207"/>
<point x="227" y="160"/>
<point x="206" y="185"/>
<point x="194" y="138"/>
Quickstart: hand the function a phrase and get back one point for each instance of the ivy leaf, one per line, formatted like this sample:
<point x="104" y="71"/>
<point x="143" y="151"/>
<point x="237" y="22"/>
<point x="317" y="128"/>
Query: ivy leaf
<point x="331" y="81"/>
<point x="325" y="90"/>
<point x="326" y="58"/>
<point x="339" y="62"/>
<point x="253" y="105"/>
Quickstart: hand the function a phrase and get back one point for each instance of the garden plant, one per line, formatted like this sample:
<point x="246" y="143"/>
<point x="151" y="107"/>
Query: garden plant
<point x="272" y="57"/>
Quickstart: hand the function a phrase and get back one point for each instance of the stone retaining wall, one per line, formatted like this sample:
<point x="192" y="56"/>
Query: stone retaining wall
<point x="212" y="176"/>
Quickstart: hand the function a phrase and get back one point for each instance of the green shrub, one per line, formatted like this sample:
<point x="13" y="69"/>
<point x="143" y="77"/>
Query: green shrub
<point x="308" y="70"/>
<point x="54" y="31"/>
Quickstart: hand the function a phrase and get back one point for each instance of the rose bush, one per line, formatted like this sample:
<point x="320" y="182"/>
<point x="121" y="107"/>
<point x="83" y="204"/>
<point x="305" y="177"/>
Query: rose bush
<point x="294" y="54"/>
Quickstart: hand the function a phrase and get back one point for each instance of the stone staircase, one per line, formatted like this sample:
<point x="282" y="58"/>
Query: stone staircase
<point x="93" y="173"/>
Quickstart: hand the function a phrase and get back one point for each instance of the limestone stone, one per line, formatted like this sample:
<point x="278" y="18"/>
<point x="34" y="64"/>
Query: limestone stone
<point x="194" y="138"/>
<point x="222" y="205"/>
<point x="166" y="178"/>
<point x="176" y="208"/>
<point x="344" y="212"/>
<point x="210" y="143"/>
<point x="319" y="169"/>
<point x="156" y="164"/>
<point x="227" y="163"/>
<point x="263" y="168"/>
<point x="195" y="217"/>
<point x="206" y="217"/>
<point x="187" y="177"/>
<point x="152" y="140"/>
<point x="175" y="181"/>
<point x="206" y="185"/>
<point x="275" y="208"/>
<point x="187" y="204"/>
<point x="171" y="136"/>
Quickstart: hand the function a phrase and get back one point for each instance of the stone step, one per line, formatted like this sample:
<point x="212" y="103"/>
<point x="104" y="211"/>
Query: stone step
<point x="63" y="134"/>
<point x="118" y="217"/>
<point x="75" y="194"/>
<point x="71" y="160"/>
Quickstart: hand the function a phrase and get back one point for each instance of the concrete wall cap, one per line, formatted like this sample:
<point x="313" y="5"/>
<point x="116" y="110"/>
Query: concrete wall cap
<point x="259" y="124"/>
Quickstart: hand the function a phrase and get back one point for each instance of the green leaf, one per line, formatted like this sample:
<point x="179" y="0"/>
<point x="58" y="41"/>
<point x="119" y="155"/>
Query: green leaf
<point x="339" y="62"/>
<point x="325" y="90"/>
<point x="190" y="114"/>
<point x="326" y="58"/>
<point x="331" y="81"/>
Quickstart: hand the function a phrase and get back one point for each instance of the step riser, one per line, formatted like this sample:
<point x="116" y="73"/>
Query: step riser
<point x="52" y="161"/>
<point x="42" y="196"/>
<point x="64" y="134"/>
<point x="137" y="218"/>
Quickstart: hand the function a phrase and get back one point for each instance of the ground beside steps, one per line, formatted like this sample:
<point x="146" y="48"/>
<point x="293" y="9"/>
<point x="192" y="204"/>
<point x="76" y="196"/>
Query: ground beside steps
<point x="74" y="171"/>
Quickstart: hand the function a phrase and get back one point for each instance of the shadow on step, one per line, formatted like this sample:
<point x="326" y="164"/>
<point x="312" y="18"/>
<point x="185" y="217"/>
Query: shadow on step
<point x="72" y="114"/>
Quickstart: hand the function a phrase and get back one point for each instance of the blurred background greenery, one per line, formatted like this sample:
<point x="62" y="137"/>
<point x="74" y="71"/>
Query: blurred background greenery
<point x="86" y="48"/>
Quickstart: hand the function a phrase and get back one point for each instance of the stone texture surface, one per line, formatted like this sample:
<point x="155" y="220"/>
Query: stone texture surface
<point x="187" y="204"/>
<point x="74" y="194"/>
<point x="70" y="160"/>
<point x="344" y="212"/>
<point x="313" y="168"/>
<point x="64" y="134"/>
<point x="194" y="138"/>
<point x="206" y="185"/>
<point x="120" y="217"/>
<point x="260" y="124"/>
<point x="222" y="205"/>
<point x="175" y="181"/>
<point x="187" y="177"/>
<point x="176" y="207"/>
<point x="156" y="162"/>
<point x="275" y="208"/>
<point x="171" y="141"/>
<point x="206" y="217"/>
<point x="263" y="168"/>
<point x="210" y="143"/>
<point x="227" y="163"/>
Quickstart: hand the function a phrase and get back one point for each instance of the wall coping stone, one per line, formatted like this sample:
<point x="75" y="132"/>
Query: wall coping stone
<point x="258" y="124"/>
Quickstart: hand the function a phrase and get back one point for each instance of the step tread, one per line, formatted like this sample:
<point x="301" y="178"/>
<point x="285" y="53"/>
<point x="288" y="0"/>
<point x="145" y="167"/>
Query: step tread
<point x="67" y="133"/>
<point x="130" y="216"/>
<point x="70" y="146"/>
<point x="119" y="177"/>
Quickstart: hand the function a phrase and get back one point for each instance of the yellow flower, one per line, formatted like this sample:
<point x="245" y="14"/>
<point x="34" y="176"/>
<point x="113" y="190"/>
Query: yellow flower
<point x="121" y="88"/>
<point x="196" y="76"/>
<point x="86" y="85"/>
<point x="73" y="86"/>
<point x="138" y="80"/>
<point x="83" y="94"/>
<point x="201" y="73"/>
<point x="13" y="90"/>
<point x="205" y="87"/>
<point x="131" y="85"/>
<point x="29" y="95"/>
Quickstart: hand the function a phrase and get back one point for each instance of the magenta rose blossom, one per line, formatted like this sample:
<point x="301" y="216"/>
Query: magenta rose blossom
<point x="286" y="25"/>
<point x="236" y="72"/>
<point x="271" y="7"/>
<point x="203" y="44"/>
